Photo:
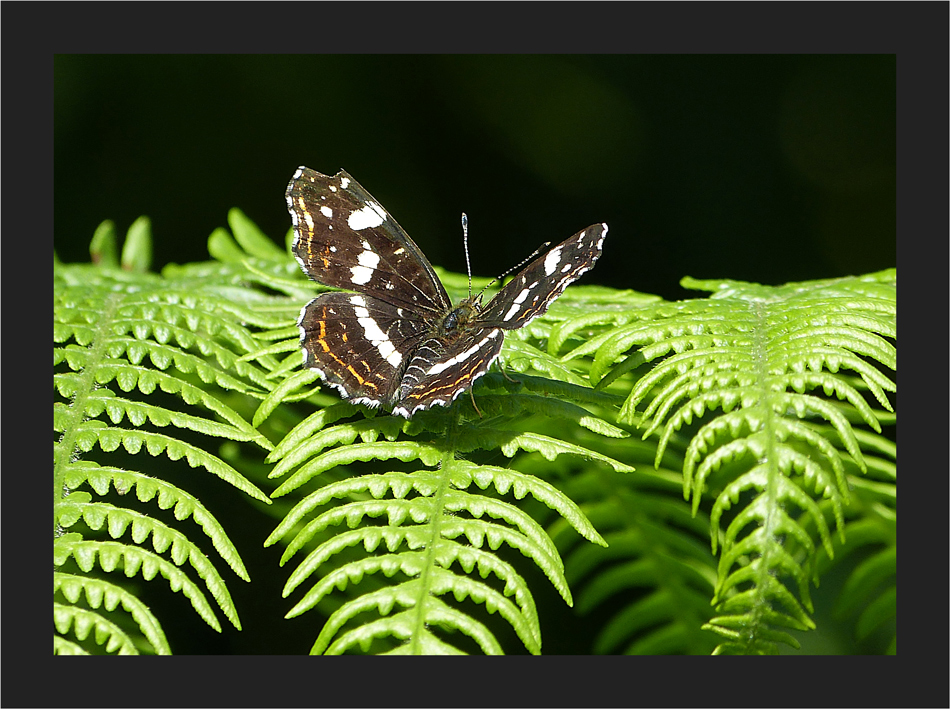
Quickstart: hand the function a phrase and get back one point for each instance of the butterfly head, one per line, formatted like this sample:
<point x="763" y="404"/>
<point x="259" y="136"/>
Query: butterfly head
<point x="460" y="318"/>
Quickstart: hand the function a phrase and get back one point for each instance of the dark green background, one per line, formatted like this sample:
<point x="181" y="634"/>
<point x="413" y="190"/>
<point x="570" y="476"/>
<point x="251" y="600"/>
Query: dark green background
<point x="763" y="168"/>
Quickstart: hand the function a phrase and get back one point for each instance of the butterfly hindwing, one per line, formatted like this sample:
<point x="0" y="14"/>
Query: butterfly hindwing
<point x="439" y="372"/>
<point x="360" y="344"/>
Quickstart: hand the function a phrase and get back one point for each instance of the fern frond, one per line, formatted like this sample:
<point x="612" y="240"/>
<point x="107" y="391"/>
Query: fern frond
<point x="428" y="511"/>
<point x="164" y="538"/>
<point x="183" y="505"/>
<point x="790" y="369"/>
<point x="417" y="535"/>
<point x="144" y="365"/>
<point x="521" y="356"/>
<point x="438" y="579"/>
<point x="656" y="575"/>
<point x="81" y="622"/>
<point x="869" y="595"/>
<point x="605" y="310"/>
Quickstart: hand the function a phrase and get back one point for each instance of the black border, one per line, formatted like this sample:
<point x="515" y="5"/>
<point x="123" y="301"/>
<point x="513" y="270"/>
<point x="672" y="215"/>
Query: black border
<point x="915" y="31"/>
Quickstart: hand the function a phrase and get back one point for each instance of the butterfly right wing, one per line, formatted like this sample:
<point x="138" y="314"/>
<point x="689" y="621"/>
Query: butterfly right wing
<point x="344" y="238"/>
<point x="531" y="292"/>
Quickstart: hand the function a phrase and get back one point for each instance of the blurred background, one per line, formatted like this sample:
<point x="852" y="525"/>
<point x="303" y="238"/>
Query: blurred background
<point x="761" y="168"/>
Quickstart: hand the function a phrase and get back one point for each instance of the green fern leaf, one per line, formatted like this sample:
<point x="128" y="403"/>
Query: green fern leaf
<point x="773" y="360"/>
<point x="415" y="526"/>
<point x="82" y="622"/>
<point x="102" y="594"/>
<point x="124" y="335"/>
<point x="186" y="506"/>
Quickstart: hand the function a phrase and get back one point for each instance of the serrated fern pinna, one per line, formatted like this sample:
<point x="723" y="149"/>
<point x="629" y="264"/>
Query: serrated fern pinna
<point x="435" y="535"/>
<point x="143" y="367"/>
<point x="789" y="455"/>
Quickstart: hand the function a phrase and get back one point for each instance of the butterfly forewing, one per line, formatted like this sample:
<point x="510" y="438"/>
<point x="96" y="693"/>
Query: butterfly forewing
<point x="531" y="292"/>
<point x="344" y="238"/>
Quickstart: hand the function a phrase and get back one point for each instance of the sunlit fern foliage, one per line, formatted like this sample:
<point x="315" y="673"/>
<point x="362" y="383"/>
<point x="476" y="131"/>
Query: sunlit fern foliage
<point x="768" y="394"/>
<point x="761" y="408"/>
<point x="144" y="367"/>
<point x="648" y="592"/>
<point x="418" y="527"/>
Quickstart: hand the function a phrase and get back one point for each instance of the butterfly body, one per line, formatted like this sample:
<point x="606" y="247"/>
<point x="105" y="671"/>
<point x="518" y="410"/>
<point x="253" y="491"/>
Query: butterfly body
<point x="396" y="340"/>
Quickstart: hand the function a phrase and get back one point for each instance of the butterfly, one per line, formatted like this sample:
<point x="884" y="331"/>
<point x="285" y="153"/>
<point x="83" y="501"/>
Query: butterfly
<point x="395" y="339"/>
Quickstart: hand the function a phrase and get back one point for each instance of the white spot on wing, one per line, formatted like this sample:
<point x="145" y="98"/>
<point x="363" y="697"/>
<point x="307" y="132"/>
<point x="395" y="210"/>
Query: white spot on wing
<point x="326" y="211"/>
<point x="551" y="261"/>
<point x="360" y="275"/>
<point x="513" y="310"/>
<point x="367" y="260"/>
<point x="370" y="215"/>
<point x="374" y="334"/>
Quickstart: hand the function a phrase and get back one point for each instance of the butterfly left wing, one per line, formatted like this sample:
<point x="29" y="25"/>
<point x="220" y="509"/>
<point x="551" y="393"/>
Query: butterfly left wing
<point x="531" y="292"/>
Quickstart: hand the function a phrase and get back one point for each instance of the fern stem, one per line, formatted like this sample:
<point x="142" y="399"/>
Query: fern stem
<point x="73" y="412"/>
<point x="420" y="612"/>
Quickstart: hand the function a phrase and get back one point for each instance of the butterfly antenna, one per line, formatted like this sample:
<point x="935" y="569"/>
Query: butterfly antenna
<point x="468" y="266"/>
<point x="538" y="250"/>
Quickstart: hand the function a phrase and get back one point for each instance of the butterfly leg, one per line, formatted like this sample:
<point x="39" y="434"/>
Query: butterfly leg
<point x="501" y="368"/>
<point x="472" y="393"/>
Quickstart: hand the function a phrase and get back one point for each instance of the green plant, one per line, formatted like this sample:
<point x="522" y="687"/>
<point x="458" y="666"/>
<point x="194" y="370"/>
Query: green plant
<point x="435" y="535"/>
<point x="790" y="368"/>
<point x="145" y="367"/>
